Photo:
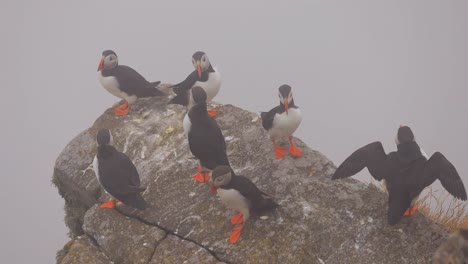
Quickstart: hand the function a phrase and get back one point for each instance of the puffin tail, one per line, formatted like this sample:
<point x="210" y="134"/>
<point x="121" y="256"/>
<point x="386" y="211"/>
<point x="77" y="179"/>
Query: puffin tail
<point x="268" y="204"/>
<point x="155" y="89"/>
<point x="136" y="201"/>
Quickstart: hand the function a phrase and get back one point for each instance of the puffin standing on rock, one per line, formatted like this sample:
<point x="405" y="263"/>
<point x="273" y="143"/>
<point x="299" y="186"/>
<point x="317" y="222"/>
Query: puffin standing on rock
<point x="206" y="141"/>
<point x="282" y="121"/>
<point x="239" y="193"/>
<point x="204" y="76"/>
<point x="124" y="82"/>
<point x="406" y="172"/>
<point x="117" y="174"/>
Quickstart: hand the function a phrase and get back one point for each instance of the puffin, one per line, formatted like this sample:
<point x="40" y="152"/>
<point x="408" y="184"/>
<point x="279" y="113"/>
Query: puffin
<point x="405" y="172"/>
<point x="204" y="76"/>
<point x="124" y="82"/>
<point x="206" y="141"/>
<point x="282" y="121"/>
<point x="239" y="193"/>
<point x="117" y="174"/>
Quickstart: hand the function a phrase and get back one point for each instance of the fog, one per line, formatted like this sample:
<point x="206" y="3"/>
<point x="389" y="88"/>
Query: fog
<point x="358" y="70"/>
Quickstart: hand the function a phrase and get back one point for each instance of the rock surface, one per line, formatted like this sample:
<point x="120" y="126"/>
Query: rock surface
<point x="319" y="221"/>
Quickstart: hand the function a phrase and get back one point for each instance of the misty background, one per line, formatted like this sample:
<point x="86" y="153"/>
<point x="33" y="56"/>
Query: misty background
<point x="358" y="70"/>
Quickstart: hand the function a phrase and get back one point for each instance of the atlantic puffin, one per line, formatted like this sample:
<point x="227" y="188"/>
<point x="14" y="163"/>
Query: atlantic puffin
<point x="282" y="121"/>
<point x="117" y="174"/>
<point x="239" y="193"/>
<point x="405" y="172"/>
<point x="124" y="82"/>
<point x="204" y="76"/>
<point x="206" y="141"/>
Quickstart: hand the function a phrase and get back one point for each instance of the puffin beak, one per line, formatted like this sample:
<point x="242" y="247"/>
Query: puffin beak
<point x="285" y="102"/>
<point x="101" y="64"/>
<point x="199" y="70"/>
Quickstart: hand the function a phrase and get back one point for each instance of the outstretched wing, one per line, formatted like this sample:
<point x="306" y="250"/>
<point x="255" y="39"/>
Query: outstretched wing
<point x="438" y="167"/>
<point x="372" y="156"/>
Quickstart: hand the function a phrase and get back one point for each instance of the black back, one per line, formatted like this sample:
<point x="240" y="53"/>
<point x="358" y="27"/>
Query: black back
<point x="407" y="172"/>
<point x="119" y="177"/>
<point x="206" y="141"/>
<point x="131" y="82"/>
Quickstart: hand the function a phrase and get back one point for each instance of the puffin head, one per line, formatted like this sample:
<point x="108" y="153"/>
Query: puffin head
<point x="108" y="61"/>
<point x="221" y="176"/>
<point x="198" y="94"/>
<point x="285" y="96"/>
<point x="404" y="135"/>
<point x="201" y="62"/>
<point x="104" y="137"/>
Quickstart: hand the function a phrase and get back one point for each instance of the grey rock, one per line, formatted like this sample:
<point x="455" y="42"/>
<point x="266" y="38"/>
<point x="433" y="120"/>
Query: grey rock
<point x="83" y="250"/>
<point x="454" y="250"/>
<point x="319" y="221"/>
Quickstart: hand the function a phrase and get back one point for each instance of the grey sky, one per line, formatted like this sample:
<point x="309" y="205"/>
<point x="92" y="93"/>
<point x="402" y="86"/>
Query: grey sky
<point x="358" y="70"/>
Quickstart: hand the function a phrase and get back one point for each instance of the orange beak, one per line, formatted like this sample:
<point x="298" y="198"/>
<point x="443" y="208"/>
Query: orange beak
<point x="101" y="64"/>
<point x="285" y="102"/>
<point x="199" y="70"/>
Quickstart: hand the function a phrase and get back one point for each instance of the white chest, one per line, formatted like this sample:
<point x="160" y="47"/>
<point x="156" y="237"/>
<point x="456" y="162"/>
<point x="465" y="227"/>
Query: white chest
<point x="111" y="84"/>
<point x="211" y="86"/>
<point x="285" y="124"/>
<point x="233" y="199"/>
<point x="187" y="124"/>
<point x="96" y="167"/>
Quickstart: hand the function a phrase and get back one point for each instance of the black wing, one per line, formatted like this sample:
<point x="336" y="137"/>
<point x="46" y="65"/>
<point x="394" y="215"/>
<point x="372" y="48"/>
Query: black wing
<point x="267" y="117"/>
<point x="133" y="83"/>
<point x="121" y="176"/>
<point x="438" y="167"/>
<point x="182" y="87"/>
<point x="206" y="142"/>
<point x="260" y="201"/>
<point x="371" y="156"/>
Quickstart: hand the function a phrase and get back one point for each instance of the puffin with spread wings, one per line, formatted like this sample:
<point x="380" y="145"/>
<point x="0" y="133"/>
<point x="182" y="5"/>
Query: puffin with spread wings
<point x="405" y="172"/>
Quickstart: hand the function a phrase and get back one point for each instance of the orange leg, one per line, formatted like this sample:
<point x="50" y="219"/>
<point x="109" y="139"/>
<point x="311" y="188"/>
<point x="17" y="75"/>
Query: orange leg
<point x="122" y="109"/>
<point x="213" y="190"/>
<point x="200" y="176"/>
<point x="235" y="233"/>
<point x="109" y="204"/>
<point x="237" y="219"/>
<point x="279" y="151"/>
<point x="212" y="113"/>
<point x="293" y="150"/>
<point x="411" y="211"/>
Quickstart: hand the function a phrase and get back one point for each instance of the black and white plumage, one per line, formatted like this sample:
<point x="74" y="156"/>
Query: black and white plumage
<point x="239" y="193"/>
<point x="406" y="172"/>
<point x="282" y="121"/>
<point x="116" y="173"/>
<point x="123" y="81"/>
<point x="204" y="76"/>
<point x="206" y="141"/>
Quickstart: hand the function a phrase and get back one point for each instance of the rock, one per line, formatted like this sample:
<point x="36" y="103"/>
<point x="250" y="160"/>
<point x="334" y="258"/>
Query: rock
<point x="454" y="250"/>
<point x="83" y="250"/>
<point x="319" y="221"/>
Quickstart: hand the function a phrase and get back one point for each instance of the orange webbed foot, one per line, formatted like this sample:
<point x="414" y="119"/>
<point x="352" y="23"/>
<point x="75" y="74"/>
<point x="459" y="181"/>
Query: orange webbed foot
<point x="237" y="219"/>
<point x="109" y="204"/>
<point x="411" y="211"/>
<point x="235" y="234"/>
<point x="294" y="151"/>
<point x="122" y="109"/>
<point x="201" y="177"/>
<point x="212" y="113"/>
<point x="280" y="152"/>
